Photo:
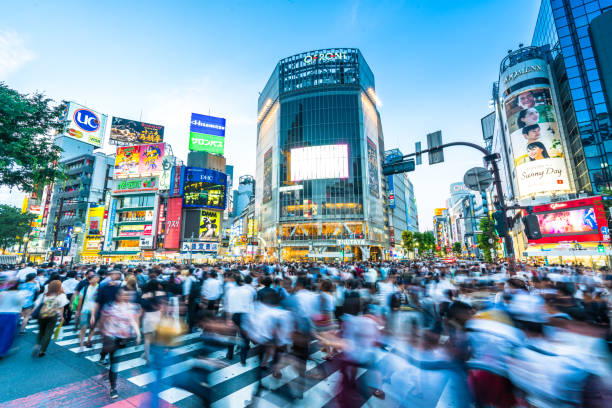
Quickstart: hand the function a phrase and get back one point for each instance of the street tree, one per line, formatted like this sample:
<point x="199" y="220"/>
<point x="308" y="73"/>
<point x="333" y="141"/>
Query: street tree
<point x="486" y="225"/>
<point x="408" y="240"/>
<point x="14" y="225"/>
<point x="28" y="123"/>
<point x="457" y="248"/>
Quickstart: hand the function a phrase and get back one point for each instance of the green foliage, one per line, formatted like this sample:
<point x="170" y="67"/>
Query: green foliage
<point x="408" y="240"/>
<point x="425" y="240"/>
<point x="457" y="248"/>
<point x="13" y="225"/>
<point x="486" y="225"/>
<point x="28" y="123"/>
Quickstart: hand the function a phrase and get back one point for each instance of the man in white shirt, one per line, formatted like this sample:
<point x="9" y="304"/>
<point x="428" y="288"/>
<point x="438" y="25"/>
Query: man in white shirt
<point x="25" y="271"/>
<point x="212" y="289"/>
<point x="239" y="302"/>
<point x="68" y="287"/>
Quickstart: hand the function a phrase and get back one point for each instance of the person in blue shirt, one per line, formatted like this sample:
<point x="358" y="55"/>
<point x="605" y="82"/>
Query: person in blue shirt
<point x="30" y="286"/>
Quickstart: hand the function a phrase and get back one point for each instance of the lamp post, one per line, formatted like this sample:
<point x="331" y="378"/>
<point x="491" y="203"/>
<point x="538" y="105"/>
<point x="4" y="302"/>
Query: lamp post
<point x="278" y="241"/>
<point x="26" y="239"/>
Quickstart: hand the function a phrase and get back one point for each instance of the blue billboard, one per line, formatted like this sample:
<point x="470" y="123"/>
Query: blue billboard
<point x="208" y="125"/>
<point x="204" y="188"/>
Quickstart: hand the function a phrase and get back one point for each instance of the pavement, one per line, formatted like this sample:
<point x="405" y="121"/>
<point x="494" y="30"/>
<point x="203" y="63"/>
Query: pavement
<point x="70" y="377"/>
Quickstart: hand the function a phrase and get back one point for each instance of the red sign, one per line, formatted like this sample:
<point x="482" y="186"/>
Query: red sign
<point x="148" y="229"/>
<point x="173" y="223"/>
<point x="575" y="220"/>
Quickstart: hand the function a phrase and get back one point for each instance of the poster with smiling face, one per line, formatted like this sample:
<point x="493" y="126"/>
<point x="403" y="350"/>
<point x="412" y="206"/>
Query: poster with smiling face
<point x="536" y="143"/>
<point x="127" y="161"/>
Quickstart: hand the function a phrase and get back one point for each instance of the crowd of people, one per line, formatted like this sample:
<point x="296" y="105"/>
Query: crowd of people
<point x="416" y="333"/>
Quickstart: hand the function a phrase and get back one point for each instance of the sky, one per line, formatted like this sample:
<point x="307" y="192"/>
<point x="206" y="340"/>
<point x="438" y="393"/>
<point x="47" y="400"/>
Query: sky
<point x="434" y="64"/>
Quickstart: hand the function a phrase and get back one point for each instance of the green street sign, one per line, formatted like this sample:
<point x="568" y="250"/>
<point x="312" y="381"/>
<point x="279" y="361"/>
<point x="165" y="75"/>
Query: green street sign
<point x="201" y="142"/>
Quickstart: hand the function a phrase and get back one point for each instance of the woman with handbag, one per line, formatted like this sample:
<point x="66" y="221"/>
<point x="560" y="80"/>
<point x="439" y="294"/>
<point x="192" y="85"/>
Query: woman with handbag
<point x="119" y="323"/>
<point x="48" y="309"/>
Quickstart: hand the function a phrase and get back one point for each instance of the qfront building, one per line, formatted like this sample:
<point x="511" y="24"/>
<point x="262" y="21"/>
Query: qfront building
<point x="319" y="158"/>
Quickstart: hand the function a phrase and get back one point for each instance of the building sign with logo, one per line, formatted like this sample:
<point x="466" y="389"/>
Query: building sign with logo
<point x="146" y="242"/>
<point x="325" y="57"/>
<point x="84" y="124"/>
<point x="207" y="134"/>
<point x="136" y="185"/>
<point x="134" y="132"/>
<point x="352" y="242"/>
<point x="199" y="247"/>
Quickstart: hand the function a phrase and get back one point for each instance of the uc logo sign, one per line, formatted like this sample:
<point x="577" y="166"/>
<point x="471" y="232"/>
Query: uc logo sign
<point x="86" y="120"/>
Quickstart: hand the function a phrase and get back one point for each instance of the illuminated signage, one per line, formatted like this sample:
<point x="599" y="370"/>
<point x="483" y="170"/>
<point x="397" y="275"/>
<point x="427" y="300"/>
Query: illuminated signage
<point x="319" y="162"/>
<point x="148" y="184"/>
<point x="173" y="223"/>
<point x="204" y="188"/>
<point x="206" y="134"/>
<point x="85" y="124"/>
<point x="134" y="132"/>
<point x="325" y="57"/>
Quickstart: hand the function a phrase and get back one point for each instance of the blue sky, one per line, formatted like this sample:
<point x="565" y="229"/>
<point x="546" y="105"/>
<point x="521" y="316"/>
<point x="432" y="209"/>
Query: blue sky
<point x="434" y="63"/>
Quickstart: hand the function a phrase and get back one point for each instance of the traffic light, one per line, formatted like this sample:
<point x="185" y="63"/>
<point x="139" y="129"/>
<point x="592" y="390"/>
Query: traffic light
<point x="485" y="204"/>
<point x="601" y="248"/>
<point x="500" y="223"/>
<point x="532" y="227"/>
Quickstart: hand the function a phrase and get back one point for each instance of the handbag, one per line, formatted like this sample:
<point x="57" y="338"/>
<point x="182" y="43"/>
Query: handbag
<point x="57" y="331"/>
<point x="170" y="325"/>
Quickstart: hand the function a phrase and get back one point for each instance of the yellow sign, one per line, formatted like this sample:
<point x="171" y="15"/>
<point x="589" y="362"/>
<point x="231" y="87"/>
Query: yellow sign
<point x="209" y="224"/>
<point x="439" y="211"/>
<point x="93" y="232"/>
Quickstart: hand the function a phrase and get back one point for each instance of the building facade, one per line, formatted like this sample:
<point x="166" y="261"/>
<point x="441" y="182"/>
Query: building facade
<point x="573" y="30"/>
<point x="319" y="157"/>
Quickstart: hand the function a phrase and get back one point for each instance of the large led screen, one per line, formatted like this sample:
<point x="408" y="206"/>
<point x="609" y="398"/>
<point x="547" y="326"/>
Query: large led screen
<point x="319" y="162"/>
<point x="579" y="221"/>
<point x="204" y="188"/>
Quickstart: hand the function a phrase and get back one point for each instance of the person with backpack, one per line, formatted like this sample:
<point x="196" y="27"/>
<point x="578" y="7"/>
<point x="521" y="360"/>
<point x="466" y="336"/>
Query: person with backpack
<point x="48" y="310"/>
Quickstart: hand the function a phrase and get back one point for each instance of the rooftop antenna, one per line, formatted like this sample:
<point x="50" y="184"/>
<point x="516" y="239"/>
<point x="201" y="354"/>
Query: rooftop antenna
<point x="140" y="115"/>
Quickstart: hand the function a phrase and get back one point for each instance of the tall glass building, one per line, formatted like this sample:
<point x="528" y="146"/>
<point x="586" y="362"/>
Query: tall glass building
<point x="319" y="192"/>
<point x="567" y="26"/>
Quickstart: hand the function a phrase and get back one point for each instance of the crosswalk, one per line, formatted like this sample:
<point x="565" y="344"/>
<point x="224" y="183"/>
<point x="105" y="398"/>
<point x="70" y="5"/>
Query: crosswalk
<point x="233" y="385"/>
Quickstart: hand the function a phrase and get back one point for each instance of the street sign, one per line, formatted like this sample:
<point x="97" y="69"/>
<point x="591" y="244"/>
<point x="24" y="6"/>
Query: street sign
<point x="398" y="167"/>
<point x="417" y="150"/>
<point x="433" y="141"/>
<point x="605" y="230"/>
<point x="478" y="179"/>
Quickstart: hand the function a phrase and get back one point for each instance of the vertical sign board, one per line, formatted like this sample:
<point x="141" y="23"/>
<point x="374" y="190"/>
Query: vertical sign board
<point x="108" y="239"/>
<point x="373" y="168"/>
<point x="176" y="183"/>
<point x="173" y="223"/>
<point x="434" y="140"/>
<point x="207" y="134"/>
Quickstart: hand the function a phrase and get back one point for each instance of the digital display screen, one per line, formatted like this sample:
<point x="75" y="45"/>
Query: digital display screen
<point x="204" y="194"/>
<point x="319" y="162"/>
<point x="578" y="221"/>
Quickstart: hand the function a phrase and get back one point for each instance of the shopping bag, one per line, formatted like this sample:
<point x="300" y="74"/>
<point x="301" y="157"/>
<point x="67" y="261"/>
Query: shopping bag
<point x="58" y="331"/>
<point x="170" y="326"/>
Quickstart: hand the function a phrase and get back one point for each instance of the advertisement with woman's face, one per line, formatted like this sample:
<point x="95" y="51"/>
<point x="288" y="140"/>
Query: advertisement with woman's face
<point x="536" y="143"/>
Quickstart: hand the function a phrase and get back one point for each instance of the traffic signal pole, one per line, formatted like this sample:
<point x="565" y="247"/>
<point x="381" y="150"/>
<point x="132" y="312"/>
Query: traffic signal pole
<point x="492" y="159"/>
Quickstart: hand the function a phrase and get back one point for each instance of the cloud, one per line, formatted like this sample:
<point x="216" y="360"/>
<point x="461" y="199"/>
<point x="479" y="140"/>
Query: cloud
<point x="13" y="53"/>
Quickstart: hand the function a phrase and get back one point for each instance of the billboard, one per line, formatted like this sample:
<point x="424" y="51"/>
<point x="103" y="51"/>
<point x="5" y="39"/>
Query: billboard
<point x="108" y="238"/>
<point x="134" y="161"/>
<point x="581" y="220"/>
<point x="209" y="225"/>
<point x="84" y="124"/>
<point x="267" y="170"/>
<point x="173" y="223"/>
<point x="136" y="185"/>
<point x="166" y="176"/>
<point x="204" y="188"/>
<point x="133" y="132"/>
<point x="373" y="168"/>
<point x="439" y="211"/>
<point x="318" y="162"/>
<point x="207" y="134"/>
<point x="533" y="131"/>
<point x="93" y="232"/>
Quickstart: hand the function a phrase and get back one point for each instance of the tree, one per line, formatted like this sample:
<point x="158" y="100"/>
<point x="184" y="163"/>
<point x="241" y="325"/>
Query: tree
<point x="425" y="240"/>
<point x="487" y="227"/>
<point x="457" y="248"/>
<point x="408" y="240"/>
<point x="14" y="225"/>
<point x="28" y="157"/>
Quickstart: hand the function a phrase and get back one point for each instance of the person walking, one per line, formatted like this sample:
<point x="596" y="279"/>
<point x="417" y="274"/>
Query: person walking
<point x="87" y="303"/>
<point x="51" y="306"/>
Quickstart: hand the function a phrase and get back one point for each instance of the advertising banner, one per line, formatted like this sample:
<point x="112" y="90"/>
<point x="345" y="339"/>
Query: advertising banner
<point x="579" y="220"/>
<point x="151" y="158"/>
<point x="173" y="223"/>
<point x="176" y="183"/>
<point x="209" y="225"/>
<point x="199" y="247"/>
<point x="533" y="132"/>
<point x="207" y="134"/>
<point x="93" y="232"/>
<point x="84" y="124"/>
<point x="127" y="161"/>
<point x="134" y="132"/>
<point x="373" y="168"/>
<point x="391" y="188"/>
<point x="130" y="186"/>
<point x="267" y="185"/>
<point x="204" y="188"/>
<point x="165" y="178"/>
<point x="319" y="162"/>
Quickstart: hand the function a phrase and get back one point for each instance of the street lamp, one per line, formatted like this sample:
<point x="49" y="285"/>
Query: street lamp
<point x="278" y="241"/>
